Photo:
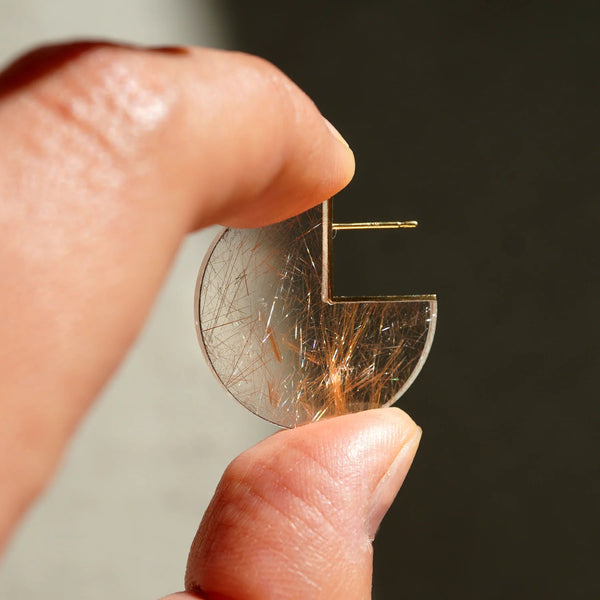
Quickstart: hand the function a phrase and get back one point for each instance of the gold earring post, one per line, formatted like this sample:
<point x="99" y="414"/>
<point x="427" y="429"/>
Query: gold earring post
<point x="375" y="225"/>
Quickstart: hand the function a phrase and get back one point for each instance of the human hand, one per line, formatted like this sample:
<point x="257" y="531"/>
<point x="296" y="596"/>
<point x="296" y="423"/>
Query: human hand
<point x="110" y="156"/>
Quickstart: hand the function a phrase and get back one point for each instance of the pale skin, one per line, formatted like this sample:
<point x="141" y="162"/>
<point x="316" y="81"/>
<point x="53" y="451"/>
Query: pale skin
<point x="110" y="156"/>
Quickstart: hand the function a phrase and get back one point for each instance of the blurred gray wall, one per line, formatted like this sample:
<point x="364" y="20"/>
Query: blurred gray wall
<point x="119" y="519"/>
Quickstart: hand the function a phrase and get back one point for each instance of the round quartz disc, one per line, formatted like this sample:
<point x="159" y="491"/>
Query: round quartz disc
<point x="283" y="352"/>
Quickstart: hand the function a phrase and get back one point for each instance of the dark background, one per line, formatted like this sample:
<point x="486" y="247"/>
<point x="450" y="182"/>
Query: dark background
<point x="480" y="120"/>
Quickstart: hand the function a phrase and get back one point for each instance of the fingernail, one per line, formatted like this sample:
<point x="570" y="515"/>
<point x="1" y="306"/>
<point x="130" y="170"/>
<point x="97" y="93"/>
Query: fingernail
<point x="390" y="483"/>
<point x="336" y="133"/>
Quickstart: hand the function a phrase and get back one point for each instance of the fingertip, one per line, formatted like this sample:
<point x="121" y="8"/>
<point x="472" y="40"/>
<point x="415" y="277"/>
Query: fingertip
<point x="345" y="156"/>
<point x="336" y="134"/>
<point x="297" y="511"/>
<point x="403" y="424"/>
<point x="294" y="158"/>
<point x="407" y="436"/>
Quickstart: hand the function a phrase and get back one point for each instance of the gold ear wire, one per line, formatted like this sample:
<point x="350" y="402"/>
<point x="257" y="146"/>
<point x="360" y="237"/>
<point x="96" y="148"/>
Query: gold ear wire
<point x="375" y="225"/>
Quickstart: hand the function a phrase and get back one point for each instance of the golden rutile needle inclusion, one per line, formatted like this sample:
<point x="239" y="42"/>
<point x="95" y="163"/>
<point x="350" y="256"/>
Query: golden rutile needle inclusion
<point x="282" y="351"/>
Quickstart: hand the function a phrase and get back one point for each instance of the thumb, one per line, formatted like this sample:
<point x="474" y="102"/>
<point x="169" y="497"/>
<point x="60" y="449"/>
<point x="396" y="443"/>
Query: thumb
<point x="294" y="517"/>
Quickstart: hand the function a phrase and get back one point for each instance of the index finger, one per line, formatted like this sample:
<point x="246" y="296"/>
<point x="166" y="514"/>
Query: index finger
<point x="110" y="155"/>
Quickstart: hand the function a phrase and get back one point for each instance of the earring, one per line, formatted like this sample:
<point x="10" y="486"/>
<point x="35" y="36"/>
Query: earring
<point x="284" y="345"/>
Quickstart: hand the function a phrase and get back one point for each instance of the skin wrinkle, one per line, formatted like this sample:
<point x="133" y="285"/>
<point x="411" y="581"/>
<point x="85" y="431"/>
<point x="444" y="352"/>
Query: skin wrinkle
<point x="334" y="479"/>
<point x="403" y="448"/>
<point x="245" y="530"/>
<point x="304" y="450"/>
<point x="108" y="113"/>
<point x="78" y="112"/>
<point x="41" y="208"/>
<point x="89" y="94"/>
<point x="62" y="169"/>
<point x="223" y="518"/>
<point x="321" y="496"/>
<point x="323" y="468"/>
<point x="276" y="556"/>
<point x="250" y="489"/>
<point x="237" y="503"/>
<point x="392" y="439"/>
<point x="306" y="578"/>
<point x="122" y="91"/>
<point x="322" y="515"/>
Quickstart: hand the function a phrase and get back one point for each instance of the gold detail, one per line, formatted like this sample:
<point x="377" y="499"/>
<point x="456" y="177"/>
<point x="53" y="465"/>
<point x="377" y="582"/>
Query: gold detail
<point x="375" y="225"/>
<point x="327" y="276"/>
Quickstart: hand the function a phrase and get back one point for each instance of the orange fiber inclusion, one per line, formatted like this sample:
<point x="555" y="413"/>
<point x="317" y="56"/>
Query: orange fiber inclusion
<point x="273" y="344"/>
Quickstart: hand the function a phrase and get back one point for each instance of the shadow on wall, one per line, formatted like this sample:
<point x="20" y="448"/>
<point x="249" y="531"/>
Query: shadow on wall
<point x="479" y="120"/>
